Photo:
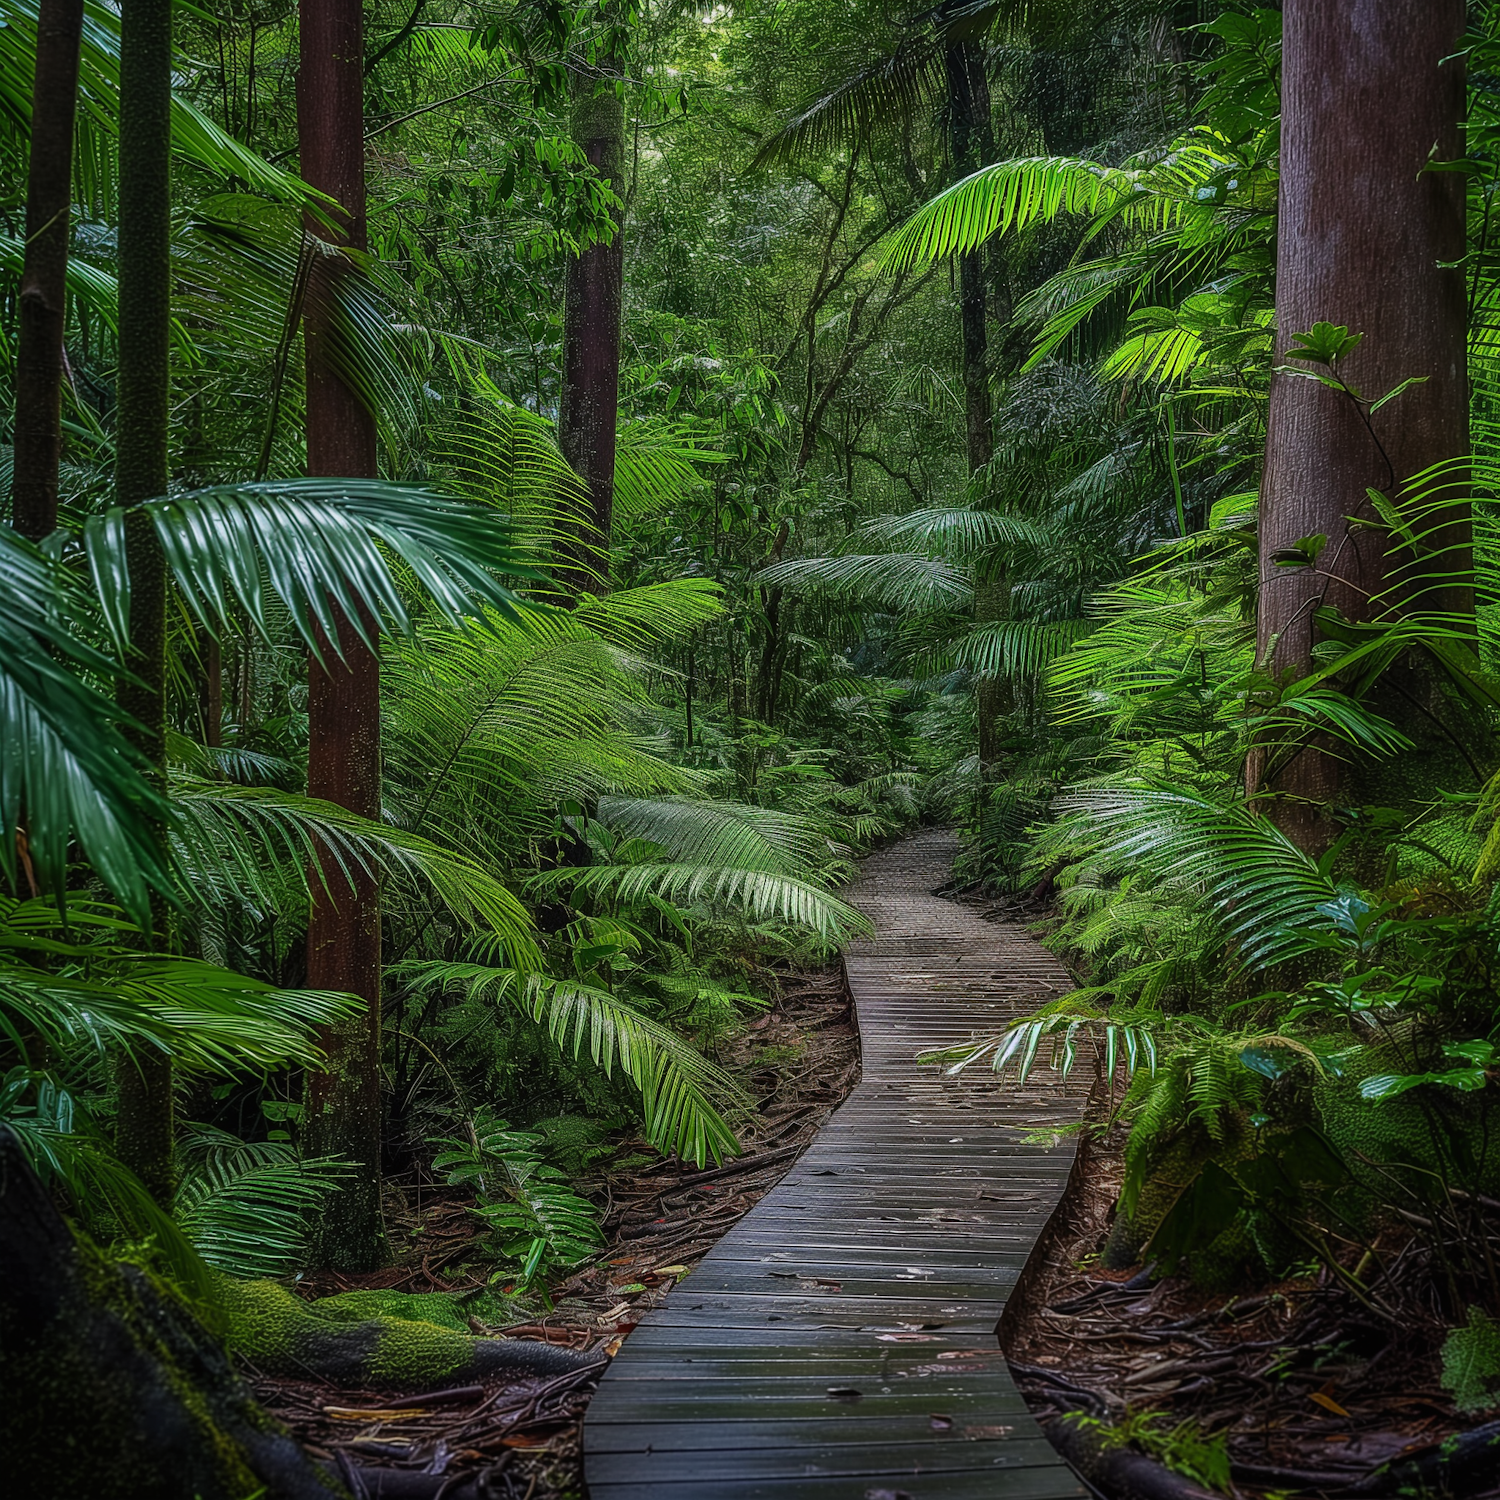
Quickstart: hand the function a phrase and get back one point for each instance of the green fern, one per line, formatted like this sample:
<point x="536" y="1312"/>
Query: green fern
<point x="536" y="1218"/>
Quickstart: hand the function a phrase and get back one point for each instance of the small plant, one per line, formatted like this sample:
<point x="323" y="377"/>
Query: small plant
<point x="536" y="1217"/>
<point x="1471" y="1363"/>
<point x="1185" y="1449"/>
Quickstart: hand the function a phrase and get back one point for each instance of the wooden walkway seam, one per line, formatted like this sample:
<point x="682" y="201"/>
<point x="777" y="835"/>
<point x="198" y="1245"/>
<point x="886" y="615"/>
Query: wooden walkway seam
<point x="839" y="1342"/>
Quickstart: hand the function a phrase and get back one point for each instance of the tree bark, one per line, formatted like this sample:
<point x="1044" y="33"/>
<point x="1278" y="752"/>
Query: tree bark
<point x="44" y="274"/>
<point x="144" y="1124"/>
<point x="1367" y="238"/>
<point x="593" y="296"/>
<point x="343" y="1103"/>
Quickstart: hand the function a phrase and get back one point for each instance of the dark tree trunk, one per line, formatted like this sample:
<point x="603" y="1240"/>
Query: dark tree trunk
<point x="144" y="1127"/>
<point x="343" y="1107"/>
<point x="1369" y="239"/>
<point x="971" y="145"/>
<point x="43" y="301"/>
<point x="592" y="297"/>
<point x="968" y="130"/>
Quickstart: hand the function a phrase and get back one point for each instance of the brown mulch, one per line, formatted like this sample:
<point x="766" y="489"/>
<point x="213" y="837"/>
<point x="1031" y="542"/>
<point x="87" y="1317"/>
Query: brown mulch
<point x="798" y="1061"/>
<point x="1309" y="1389"/>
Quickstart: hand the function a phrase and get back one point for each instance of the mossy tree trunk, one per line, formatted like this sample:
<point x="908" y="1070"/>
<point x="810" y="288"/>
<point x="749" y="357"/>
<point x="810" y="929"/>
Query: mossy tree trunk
<point x="343" y="1103"/>
<point x="114" y="1389"/>
<point x="43" y="301"/>
<point x="593" y="296"/>
<point x="144" y="1125"/>
<point x="1369" y="238"/>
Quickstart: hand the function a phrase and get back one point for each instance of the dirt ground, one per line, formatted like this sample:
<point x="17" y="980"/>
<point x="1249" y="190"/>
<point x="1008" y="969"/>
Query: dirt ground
<point x="1300" y="1386"/>
<point x="798" y="1061"/>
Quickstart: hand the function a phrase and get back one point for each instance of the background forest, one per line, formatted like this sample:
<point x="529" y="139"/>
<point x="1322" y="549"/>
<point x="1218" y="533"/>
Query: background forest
<point x="928" y="480"/>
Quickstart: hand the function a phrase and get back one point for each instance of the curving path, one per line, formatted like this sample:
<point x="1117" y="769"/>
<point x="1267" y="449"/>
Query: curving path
<point x="838" y="1343"/>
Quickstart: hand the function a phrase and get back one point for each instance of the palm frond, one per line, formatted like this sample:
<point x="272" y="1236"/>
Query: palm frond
<point x="317" y="545"/>
<point x="231" y="840"/>
<point x="760" y="895"/>
<point x="66" y="769"/>
<point x="902" y="581"/>
<point x="678" y="1085"/>
<point x="1261" y="885"/>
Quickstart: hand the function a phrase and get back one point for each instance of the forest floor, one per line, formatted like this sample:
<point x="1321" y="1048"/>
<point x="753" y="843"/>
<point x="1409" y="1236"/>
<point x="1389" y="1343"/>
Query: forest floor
<point x="1296" y="1385"/>
<point x="798" y="1061"/>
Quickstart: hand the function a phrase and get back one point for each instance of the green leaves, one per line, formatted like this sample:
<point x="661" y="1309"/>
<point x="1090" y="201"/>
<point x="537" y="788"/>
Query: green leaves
<point x="64" y="765"/>
<point x="678" y="1085"/>
<point x="537" y="1219"/>
<point x="318" y="546"/>
<point x="1478" y="1064"/>
<point x="1009" y="195"/>
<point x="1323" y="344"/>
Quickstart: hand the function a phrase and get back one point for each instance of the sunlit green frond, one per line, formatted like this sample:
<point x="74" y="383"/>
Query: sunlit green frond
<point x="318" y="546"/>
<point x="1261" y="884"/>
<point x="733" y="835"/>
<point x="1018" y="648"/>
<point x="897" y="580"/>
<point x="954" y="530"/>
<point x="654" y="615"/>
<point x="246" y="839"/>
<point x="1008" y="195"/>
<point x="678" y="1085"/>
<point x="657" y="465"/>
<point x="760" y="895"/>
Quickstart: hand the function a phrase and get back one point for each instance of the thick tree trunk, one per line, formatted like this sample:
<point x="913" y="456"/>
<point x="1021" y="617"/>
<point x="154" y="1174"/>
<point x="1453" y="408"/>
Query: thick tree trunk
<point x="43" y="302"/>
<point x="1367" y="238"/>
<point x="144" y="1127"/>
<point x="343" y="1107"/>
<point x="592" y="298"/>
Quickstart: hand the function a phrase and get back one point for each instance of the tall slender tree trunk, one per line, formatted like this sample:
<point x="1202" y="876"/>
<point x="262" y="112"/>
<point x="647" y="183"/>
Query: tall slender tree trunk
<point x="343" y="1104"/>
<point x="43" y="303"/>
<point x="144" y="1125"/>
<point x="1370" y="239"/>
<point x="971" y="145"/>
<point x="593" y="296"/>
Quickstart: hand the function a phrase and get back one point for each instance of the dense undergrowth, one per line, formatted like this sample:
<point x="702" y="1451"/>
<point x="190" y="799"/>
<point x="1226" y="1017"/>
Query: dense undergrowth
<point x="948" y="343"/>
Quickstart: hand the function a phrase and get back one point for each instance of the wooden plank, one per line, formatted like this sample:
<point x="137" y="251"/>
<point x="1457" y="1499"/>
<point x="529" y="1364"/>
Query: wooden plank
<point x="803" y="1357"/>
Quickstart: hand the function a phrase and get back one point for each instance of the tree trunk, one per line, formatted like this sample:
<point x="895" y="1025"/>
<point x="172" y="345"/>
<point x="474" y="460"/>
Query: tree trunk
<point x="343" y="1106"/>
<point x="1369" y="239"/>
<point x="593" y="294"/>
<point x="968" y="121"/>
<point x="43" y="302"/>
<point x="144" y="1126"/>
<point x="971" y="145"/>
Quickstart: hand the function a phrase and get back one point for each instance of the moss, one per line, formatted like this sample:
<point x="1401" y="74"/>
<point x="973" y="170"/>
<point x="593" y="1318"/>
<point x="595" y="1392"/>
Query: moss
<point x="438" y="1308"/>
<point x="120" y="1393"/>
<point x="1431" y="1129"/>
<point x="343" y="1337"/>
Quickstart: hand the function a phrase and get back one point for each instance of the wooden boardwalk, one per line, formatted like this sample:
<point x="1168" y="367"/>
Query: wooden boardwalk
<point x="839" y="1343"/>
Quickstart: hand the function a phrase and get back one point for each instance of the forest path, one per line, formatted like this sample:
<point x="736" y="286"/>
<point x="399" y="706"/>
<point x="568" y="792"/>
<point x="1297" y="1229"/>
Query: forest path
<point x="839" y="1343"/>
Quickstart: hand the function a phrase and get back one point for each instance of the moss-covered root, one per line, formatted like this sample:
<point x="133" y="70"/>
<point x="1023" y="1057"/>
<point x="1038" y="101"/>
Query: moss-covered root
<point x="340" y="1343"/>
<point x="1464" y="1464"/>
<point x="113" y="1389"/>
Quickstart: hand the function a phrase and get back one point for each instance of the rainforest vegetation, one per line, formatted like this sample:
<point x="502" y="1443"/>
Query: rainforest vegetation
<point x="507" y="501"/>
